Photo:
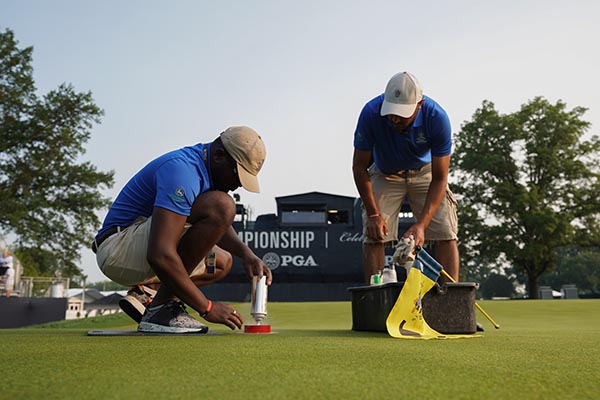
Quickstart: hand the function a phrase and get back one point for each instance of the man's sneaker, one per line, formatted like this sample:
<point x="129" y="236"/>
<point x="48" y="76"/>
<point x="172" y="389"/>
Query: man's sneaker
<point x="136" y="301"/>
<point x="479" y="327"/>
<point x="170" y="317"/>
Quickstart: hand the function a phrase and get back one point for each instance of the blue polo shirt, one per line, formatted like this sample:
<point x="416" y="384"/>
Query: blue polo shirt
<point x="171" y="181"/>
<point x="430" y="134"/>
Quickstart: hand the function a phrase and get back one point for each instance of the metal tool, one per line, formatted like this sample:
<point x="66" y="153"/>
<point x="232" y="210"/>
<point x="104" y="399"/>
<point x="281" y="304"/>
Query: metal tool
<point x="259" y="306"/>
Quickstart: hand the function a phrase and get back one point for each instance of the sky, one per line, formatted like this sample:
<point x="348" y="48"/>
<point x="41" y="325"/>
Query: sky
<point x="172" y="74"/>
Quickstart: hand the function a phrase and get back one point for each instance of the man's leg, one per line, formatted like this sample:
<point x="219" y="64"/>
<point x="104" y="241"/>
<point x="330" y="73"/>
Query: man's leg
<point x="373" y="259"/>
<point x="138" y="297"/>
<point x="389" y="192"/>
<point x="446" y="253"/>
<point x="200" y="277"/>
<point x="211" y="216"/>
<point x="443" y="228"/>
<point x="223" y="265"/>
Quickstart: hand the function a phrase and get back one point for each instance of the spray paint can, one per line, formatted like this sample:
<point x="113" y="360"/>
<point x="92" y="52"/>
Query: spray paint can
<point x="259" y="298"/>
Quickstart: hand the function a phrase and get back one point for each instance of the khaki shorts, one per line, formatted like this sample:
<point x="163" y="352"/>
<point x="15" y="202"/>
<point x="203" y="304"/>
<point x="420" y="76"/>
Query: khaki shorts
<point x="122" y="257"/>
<point x="390" y="191"/>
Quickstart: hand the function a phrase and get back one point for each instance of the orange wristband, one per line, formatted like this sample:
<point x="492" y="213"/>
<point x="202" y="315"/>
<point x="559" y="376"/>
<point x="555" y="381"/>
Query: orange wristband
<point x="208" y="308"/>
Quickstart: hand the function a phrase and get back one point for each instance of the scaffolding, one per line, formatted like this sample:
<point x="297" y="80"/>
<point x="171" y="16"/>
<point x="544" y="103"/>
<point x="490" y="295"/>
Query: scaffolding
<point x="30" y="286"/>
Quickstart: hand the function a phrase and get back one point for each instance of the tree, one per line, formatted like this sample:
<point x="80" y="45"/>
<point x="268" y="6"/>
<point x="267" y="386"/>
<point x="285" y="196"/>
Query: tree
<point x="48" y="195"/>
<point x="528" y="184"/>
<point x="497" y="285"/>
<point x="576" y="266"/>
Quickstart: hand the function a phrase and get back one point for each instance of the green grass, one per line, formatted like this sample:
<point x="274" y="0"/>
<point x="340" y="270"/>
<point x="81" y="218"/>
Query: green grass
<point x="544" y="349"/>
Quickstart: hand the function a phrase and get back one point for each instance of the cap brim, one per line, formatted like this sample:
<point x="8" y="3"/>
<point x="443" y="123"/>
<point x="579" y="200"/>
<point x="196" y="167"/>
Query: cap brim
<point x="248" y="181"/>
<point x="402" y="110"/>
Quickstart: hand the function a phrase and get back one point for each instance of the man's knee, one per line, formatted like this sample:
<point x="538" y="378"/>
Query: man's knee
<point x="445" y="243"/>
<point x="215" y="205"/>
<point x="225" y="206"/>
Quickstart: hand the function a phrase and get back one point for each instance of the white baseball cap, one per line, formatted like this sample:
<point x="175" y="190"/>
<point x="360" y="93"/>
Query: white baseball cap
<point x="248" y="150"/>
<point x="402" y="94"/>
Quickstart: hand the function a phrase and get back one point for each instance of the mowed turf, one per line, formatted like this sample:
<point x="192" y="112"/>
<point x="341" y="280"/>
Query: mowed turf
<point x="545" y="349"/>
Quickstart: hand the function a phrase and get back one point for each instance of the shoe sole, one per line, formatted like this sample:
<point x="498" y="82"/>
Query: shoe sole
<point x="148" y="327"/>
<point x="132" y="307"/>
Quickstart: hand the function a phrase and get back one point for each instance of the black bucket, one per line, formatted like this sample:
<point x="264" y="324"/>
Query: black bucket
<point x="450" y="308"/>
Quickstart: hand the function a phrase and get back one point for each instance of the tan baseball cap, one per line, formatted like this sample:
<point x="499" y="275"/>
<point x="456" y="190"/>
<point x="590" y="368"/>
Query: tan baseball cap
<point x="248" y="150"/>
<point x="401" y="96"/>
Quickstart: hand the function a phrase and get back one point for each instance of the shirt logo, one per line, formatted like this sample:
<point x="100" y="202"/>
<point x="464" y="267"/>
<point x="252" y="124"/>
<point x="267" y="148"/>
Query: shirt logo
<point x="421" y="138"/>
<point x="177" y="196"/>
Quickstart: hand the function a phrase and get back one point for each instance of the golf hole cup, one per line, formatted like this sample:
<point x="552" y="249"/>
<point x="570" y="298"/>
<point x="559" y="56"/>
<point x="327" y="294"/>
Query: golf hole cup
<point x="259" y="306"/>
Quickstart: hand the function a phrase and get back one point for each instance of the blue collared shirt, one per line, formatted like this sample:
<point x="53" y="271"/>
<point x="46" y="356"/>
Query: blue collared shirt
<point x="430" y="134"/>
<point x="171" y="181"/>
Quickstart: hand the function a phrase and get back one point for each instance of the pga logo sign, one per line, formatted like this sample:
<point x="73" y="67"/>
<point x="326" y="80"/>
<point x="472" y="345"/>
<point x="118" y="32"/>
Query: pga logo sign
<point x="274" y="260"/>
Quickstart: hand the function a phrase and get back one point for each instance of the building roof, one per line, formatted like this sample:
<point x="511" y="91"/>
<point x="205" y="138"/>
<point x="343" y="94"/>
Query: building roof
<point x="92" y="294"/>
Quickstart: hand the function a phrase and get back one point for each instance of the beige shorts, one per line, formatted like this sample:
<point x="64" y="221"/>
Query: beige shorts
<point x="122" y="257"/>
<point x="390" y="191"/>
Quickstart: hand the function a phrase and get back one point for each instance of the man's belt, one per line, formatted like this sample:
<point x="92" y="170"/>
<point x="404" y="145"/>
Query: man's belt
<point x="403" y="172"/>
<point x="103" y="236"/>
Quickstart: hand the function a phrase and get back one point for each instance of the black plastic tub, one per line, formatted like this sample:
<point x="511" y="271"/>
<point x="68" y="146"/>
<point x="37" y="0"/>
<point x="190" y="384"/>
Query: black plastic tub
<point x="372" y="304"/>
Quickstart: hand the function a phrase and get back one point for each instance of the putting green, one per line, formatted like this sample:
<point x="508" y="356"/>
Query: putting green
<point x="544" y="349"/>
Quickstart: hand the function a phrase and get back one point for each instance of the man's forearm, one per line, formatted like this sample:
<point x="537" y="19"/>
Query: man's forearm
<point x="365" y="190"/>
<point x="232" y="243"/>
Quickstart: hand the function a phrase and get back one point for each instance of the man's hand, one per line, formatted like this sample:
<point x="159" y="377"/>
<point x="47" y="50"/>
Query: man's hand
<point x="253" y="265"/>
<point x="418" y="233"/>
<point x="225" y="314"/>
<point x="377" y="228"/>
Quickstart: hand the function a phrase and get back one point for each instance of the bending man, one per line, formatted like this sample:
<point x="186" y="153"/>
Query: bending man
<point x="402" y="148"/>
<point x="167" y="219"/>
